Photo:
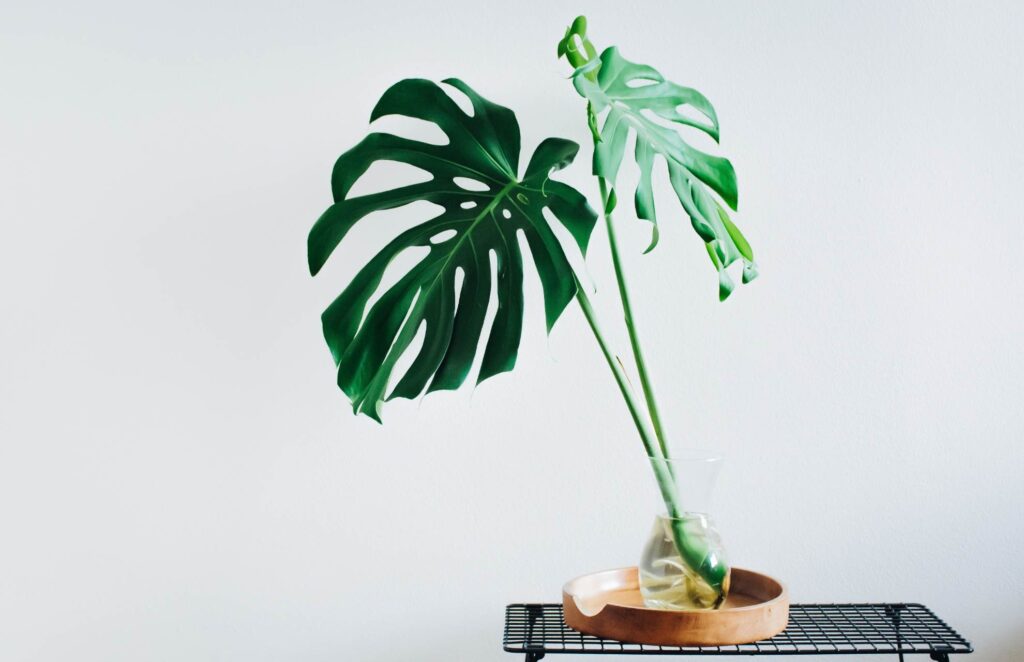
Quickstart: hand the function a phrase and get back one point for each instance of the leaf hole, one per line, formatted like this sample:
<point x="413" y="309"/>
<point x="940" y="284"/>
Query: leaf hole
<point x="407" y="357"/>
<point x="460" y="99"/>
<point x="694" y="137"/>
<point x="442" y="236"/>
<point x="412" y="128"/>
<point x="399" y="267"/>
<point x="492" y="311"/>
<point x="641" y="82"/>
<point x="460" y="276"/>
<point x="533" y="315"/>
<point x="506" y="213"/>
<point x="469" y="204"/>
<point x="693" y="113"/>
<point x="470" y="184"/>
<point x="568" y="242"/>
<point x="387" y="175"/>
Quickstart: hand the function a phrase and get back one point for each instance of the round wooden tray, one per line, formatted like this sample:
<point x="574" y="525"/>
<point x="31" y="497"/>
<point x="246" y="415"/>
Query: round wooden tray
<point x="608" y="604"/>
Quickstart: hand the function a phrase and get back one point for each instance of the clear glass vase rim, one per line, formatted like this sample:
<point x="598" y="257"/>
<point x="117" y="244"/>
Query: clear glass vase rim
<point x="686" y="515"/>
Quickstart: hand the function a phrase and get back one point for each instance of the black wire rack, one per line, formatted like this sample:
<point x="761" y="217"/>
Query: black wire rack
<point x="814" y="629"/>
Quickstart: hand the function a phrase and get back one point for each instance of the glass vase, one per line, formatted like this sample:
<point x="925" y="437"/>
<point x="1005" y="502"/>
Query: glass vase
<point x="683" y="565"/>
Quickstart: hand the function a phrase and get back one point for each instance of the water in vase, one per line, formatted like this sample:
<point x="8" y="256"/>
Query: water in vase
<point x="666" y="581"/>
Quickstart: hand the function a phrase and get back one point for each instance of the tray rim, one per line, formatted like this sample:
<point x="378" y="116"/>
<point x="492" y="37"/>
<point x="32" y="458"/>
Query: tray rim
<point x="782" y="596"/>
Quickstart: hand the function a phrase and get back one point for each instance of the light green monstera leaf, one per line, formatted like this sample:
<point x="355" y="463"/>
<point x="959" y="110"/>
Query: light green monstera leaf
<point x="472" y="225"/>
<point x="628" y="95"/>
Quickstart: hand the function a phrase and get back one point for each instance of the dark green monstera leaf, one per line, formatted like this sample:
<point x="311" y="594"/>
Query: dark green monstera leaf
<point x="633" y="98"/>
<point x="473" y="224"/>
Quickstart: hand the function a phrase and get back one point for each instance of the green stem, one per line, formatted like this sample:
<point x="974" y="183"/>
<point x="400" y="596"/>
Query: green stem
<point x="635" y="408"/>
<point x="692" y="551"/>
<point x="627" y="311"/>
<point x="662" y="474"/>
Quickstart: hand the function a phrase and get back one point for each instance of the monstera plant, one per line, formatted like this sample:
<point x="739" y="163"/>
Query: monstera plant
<point x="487" y="200"/>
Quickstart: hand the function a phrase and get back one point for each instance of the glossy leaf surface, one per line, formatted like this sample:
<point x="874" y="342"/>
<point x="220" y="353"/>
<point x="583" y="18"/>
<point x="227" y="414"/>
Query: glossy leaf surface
<point x="636" y="98"/>
<point x="472" y="226"/>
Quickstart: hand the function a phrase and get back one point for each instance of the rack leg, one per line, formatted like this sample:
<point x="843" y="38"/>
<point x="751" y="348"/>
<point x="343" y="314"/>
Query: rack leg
<point x="940" y="657"/>
<point x="535" y="657"/>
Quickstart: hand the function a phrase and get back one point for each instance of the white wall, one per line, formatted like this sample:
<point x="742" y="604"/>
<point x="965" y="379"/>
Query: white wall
<point x="180" y="480"/>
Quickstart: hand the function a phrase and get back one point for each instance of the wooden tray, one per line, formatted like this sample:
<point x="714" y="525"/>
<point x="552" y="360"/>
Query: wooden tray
<point x="608" y="604"/>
